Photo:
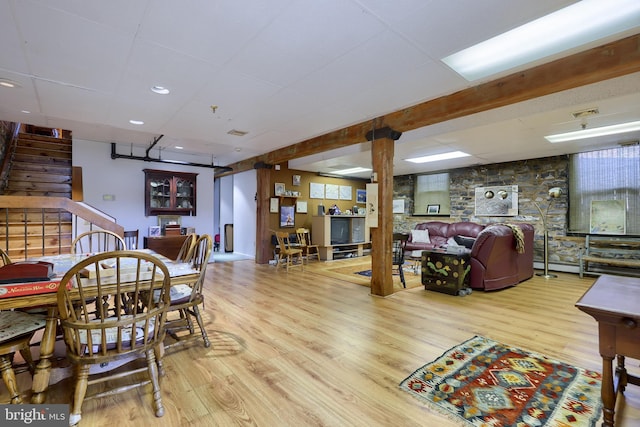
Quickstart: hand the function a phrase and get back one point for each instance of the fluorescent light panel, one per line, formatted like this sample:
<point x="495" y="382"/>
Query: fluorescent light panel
<point x="351" y="171"/>
<point x="583" y="22"/>
<point x="593" y="132"/>
<point x="438" y="157"/>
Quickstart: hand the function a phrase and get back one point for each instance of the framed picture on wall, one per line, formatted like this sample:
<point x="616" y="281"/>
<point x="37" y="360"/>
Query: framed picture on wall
<point x="296" y="180"/>
<point x="301" y="206"/>
<point x="273" y="205"/>
<point x="398" y="206"/>
<point x="287" y="216"/>
<point x="279" y="189"/>
<point x="361" y="196"/>
<point x="433" y="209"/>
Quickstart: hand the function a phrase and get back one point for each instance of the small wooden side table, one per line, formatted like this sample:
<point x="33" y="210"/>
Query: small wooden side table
<point x="446" y="272"/>
<point x="614" y="301"/>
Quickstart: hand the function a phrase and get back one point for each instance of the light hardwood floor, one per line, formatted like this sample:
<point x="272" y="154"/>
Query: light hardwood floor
<point x="303" y="349"/>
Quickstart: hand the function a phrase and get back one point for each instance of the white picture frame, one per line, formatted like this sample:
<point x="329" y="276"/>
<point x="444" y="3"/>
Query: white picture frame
<point x="332" y="191"/>
<point x="279" y="189"/>
<point x="398" y="206"/>
<point x="316" y="190"/>
<point x="155" y="231"/>
<point x="301" y="206"/>
<point x="346" y="192"/>
<point x="273" y="205"/>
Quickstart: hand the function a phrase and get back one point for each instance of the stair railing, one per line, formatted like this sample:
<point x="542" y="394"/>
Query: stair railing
<point x="35" y="225"/>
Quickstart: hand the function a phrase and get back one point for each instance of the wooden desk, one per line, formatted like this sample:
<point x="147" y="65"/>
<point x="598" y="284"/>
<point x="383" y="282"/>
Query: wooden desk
<point x="179" y="272"/>
<point x="614" y="302"/>
<point x="168" y="246"/>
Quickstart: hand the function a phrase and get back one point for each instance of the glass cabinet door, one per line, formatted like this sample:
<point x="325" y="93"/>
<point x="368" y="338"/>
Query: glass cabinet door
<point x="184" y="193"/>
<point x="160" y="193"/>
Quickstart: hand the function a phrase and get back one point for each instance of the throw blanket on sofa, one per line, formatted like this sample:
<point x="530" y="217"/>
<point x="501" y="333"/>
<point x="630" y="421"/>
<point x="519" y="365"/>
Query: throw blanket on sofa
<point x="517" y="234"/>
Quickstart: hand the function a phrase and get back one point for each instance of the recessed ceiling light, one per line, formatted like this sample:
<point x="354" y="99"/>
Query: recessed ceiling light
<point x="179" y="147"/>
<point x="160" y="90"/>
<point x="581" y="23"/>
<point x="593" y="132"/>
<point x="236" y="132"/>
<point x="438" y="157"/>
<point x="9" y="83"/>
<point x="136" y="122"/>
<point x="26" y="111"/>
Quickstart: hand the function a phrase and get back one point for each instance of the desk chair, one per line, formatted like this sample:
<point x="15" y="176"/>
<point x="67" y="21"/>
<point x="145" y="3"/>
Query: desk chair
<point x="131" y="239"/>
<point x="304" y="240"/>
<point x="287" y="252"/>
<point x="399" y="241"/>
<point x="97" y="241"/>
<point x="133" y="326"/>
<point x="186" y="299"/>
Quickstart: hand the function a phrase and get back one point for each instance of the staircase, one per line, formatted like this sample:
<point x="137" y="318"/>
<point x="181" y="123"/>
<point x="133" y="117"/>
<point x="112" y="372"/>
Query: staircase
<point x="37" y="214"/>
<point x="41" y="166"/>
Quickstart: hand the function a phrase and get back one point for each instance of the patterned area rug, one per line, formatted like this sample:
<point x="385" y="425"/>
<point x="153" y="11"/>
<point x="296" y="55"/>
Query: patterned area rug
<point x="365" y="273"/>
<point x="485" y="383"/>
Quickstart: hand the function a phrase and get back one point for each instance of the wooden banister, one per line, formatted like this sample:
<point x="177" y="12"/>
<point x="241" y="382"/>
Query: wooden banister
<point x="39" y="225"/>
<point x="77" y="209"/>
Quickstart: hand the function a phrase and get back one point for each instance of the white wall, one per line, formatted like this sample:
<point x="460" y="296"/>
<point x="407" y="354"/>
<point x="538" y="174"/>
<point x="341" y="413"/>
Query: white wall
<point x="226" y="207"/>
<point x="124" y="179"/>
<point x="244" y="212"/>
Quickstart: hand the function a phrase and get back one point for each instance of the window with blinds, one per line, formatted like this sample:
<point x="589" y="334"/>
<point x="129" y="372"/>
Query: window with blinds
<point x="431" y="190"/>
<point x="611" y="174"/>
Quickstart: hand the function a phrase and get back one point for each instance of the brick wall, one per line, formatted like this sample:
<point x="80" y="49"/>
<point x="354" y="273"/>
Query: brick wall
<point x="534" y="177"/>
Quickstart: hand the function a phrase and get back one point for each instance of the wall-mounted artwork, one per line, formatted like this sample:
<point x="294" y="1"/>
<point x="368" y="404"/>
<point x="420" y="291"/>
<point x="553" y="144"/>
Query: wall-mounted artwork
<point x="273" y="205"/>
<point x="346" y="192"/>
<point x="398" y="206"/>
<point x="279" y="189"/>
<point x="287" y="216"/>
<point x="500" y="200"/>
<point x="361" y="196"/>
<point x="316" y="190"/>
<point x="372" y="205"/>
<point x="433" y="209"/>
<point x="608" y="217"/>
<point x="301" y="206"/>
<point x="332" y="191"/>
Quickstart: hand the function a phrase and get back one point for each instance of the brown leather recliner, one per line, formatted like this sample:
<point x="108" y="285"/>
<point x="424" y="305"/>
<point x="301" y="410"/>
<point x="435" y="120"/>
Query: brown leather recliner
<point x="495" y="262"/>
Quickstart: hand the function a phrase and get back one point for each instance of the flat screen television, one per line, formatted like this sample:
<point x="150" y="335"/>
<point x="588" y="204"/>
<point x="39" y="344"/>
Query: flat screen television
<point x="340" y="231"/>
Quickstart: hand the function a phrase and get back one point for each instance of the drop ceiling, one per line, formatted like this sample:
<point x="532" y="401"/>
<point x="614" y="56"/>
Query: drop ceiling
<point x="283" y="71"/>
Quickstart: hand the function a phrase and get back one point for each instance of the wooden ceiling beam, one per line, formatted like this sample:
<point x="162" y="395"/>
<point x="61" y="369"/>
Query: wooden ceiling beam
<point x="605" y="62"/>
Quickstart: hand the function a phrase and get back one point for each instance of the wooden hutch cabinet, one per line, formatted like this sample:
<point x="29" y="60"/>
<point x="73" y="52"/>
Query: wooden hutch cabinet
<point x="169" y="193"/>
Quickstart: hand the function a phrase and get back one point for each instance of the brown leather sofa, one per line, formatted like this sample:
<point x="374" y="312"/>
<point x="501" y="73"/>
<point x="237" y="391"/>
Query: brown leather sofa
<point x="495" y="262"/>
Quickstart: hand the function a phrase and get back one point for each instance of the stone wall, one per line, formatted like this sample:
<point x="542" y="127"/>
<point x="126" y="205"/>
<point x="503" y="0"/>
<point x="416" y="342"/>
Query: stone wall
<point x="534" y="179"/>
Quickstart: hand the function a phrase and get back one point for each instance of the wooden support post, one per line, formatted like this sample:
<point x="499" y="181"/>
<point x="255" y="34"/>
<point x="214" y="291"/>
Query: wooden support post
<point x="263" y="233"/>
<point x="382" y="149"/>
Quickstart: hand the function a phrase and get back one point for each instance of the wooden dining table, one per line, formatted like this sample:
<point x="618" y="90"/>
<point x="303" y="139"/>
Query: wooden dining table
<point x="181" y="273"/>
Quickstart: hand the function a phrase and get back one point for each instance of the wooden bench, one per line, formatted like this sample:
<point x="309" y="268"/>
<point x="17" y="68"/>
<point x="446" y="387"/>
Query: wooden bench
<point x="622" y="252"/>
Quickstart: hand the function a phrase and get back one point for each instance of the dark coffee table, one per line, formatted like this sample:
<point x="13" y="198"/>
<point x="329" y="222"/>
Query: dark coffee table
<point x="446" y="272"/>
